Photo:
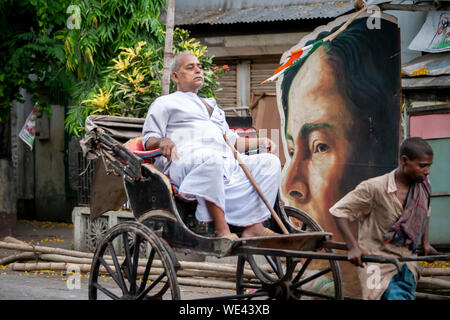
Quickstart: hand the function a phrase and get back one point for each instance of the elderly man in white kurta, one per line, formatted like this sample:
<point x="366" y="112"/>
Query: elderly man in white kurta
<point x="189" y="131"/>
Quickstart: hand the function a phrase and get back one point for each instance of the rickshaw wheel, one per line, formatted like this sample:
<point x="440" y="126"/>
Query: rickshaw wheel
<point x="273" y="274"/>
<point x="153" y="277"/>
<point x="330" y="288"/>
<point x="285" y="278"/>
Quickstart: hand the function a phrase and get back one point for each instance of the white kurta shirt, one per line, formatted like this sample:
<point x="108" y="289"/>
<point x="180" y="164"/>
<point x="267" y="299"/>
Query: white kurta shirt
<point x="182" y="117"/>
<point x="206" y="168"/>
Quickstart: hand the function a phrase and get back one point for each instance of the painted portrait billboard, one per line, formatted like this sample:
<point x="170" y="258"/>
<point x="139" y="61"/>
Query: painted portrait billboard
<point x="340" y="113"/>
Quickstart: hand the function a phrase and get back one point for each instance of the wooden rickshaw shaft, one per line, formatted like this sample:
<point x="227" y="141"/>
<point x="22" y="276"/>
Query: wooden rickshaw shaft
<point x="257" y="188"/>
<point x="337" y="256"/>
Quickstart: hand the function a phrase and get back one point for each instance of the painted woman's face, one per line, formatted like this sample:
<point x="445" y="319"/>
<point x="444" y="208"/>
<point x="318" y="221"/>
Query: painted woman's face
<point x="317" y="126"/>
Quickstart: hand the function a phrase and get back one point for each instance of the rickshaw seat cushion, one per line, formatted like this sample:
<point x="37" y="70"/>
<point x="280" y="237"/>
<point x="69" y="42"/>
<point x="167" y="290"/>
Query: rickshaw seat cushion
<point x="135" y="145"/>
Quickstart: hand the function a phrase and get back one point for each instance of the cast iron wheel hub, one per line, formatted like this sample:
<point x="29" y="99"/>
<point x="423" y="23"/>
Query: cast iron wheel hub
<point x="278" y="291"/>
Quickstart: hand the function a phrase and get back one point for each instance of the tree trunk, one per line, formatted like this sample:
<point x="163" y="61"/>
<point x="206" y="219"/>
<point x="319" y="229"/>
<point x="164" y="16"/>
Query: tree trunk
<point x="168" y="55"/>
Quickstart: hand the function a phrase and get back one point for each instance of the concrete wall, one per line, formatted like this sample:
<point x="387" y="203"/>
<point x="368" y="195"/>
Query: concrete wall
<point x="40" y="175"/>
<point x="409" y="24"/>
<point x="50" y="172"/>
<point x="23" y="160"/>
<point x="8" y="209"/>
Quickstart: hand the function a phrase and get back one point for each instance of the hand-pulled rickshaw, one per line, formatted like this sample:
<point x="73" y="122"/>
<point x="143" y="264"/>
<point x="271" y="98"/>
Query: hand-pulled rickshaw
<point x="285" y="265"/>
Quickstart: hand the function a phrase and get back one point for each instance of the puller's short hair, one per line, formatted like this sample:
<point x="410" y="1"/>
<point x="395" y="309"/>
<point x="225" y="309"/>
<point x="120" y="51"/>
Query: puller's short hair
<point x="415" y="147"/>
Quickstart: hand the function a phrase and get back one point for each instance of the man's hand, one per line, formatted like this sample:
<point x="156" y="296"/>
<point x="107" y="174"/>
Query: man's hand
<point x="354" y="255"/>
<point x="428" y="250"/>
<point x="354" y="250"/>
<point x="268" y="144"/>
<point x="245" y="144"/>
<point x="168" y="149"/>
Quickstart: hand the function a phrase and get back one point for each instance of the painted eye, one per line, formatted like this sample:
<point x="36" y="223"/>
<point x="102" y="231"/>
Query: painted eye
<point x="321" y="147"/>
<point x="291" y="152"/>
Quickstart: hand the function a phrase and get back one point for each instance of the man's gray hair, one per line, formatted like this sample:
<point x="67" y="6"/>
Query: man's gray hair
<point x="176" y="63"/>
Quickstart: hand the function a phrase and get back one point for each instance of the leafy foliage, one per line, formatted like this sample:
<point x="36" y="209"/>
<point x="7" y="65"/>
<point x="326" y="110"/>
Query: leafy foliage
<point x="105" y="56"/>
<point x="105" y="28"/>
<point x="129" y="81"/>
<point x="32" y="57"/>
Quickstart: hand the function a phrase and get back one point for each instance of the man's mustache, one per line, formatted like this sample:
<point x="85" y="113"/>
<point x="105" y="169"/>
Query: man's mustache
<point x="198" y="77"/>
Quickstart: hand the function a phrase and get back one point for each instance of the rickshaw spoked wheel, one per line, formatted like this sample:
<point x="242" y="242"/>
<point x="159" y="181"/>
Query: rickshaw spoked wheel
<point x="138" y="263"/>
<point x="290" y="278"/>
<point x="325" y="274"/>
<point x="273" y="274"/>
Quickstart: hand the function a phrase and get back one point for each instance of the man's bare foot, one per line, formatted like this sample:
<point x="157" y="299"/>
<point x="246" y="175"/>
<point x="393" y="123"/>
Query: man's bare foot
<point x="257" y="230"/>
<point x="267" y="232"/>
<point x="229" y="235"/>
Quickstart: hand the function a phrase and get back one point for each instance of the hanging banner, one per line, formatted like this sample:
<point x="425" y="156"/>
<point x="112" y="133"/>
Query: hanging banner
<point x="28" y="132"/>
<point x="434" y="36"/>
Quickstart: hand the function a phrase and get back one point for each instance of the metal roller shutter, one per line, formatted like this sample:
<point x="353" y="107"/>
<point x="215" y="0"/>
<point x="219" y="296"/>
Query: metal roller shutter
<point x="260" y="71"/>
<point x="227" y="96"/>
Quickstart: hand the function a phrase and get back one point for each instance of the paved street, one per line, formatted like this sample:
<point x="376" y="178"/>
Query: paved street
<point x="49" y="285"/>
<point x="38" y="285"/>
<point x="56" y="285"/>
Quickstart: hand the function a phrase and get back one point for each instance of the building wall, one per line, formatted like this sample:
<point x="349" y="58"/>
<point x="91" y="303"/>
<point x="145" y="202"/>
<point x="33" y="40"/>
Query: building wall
<point x="427" y="115"/>
<point x="252" y="59"/>
<point x="253" y="49"/>
<point x="23" y="160"/>
<point x="50" y="171"/>
<point x="409" y="24"/>
<point x="8" y="208"/>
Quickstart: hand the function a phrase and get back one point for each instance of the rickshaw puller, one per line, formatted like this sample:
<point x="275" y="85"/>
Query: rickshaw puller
<point x="393" y="212"/>
<point x="189" y="132"/>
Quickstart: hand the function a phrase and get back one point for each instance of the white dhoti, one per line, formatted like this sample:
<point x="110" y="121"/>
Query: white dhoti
<point x="222" y="181"/>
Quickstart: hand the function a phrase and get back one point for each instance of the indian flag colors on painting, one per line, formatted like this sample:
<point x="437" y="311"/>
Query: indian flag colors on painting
<point x="296" y="56"/>
<point x="303" y="53"/>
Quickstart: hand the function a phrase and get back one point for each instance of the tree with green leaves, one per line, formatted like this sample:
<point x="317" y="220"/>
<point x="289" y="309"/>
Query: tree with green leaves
<point x="32" y="58"/>
<point x="74" y="48"/>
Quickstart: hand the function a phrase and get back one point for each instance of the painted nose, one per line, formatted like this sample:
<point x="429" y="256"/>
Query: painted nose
<point x="299" y="192"/>
<point x="296" y="186"/>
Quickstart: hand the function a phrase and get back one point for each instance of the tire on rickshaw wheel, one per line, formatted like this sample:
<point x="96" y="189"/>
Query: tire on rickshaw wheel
<point x="285" y="281"/>
<point x="302" y="222"/>
<point x="132" y="279"/>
